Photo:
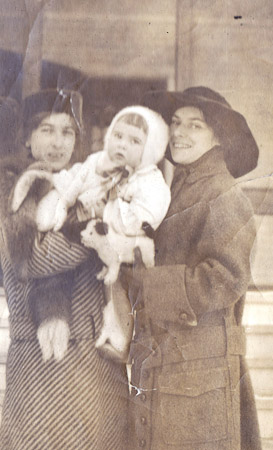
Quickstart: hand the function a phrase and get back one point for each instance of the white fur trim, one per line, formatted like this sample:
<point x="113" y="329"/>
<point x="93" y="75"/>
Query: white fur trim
<point x="24" y="184"/>
<point x="158" y="133"/>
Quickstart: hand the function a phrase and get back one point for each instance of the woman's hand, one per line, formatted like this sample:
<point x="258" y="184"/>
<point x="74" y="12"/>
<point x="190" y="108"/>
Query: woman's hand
<point x="131" y="278"/>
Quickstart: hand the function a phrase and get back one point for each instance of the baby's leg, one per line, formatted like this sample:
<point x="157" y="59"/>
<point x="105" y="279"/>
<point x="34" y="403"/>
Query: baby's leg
<point x="46" y="211"/>
<point x="116" y="333"/>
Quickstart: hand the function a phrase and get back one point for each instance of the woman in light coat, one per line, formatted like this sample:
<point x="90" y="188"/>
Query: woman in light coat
<point x="190" y="385"/>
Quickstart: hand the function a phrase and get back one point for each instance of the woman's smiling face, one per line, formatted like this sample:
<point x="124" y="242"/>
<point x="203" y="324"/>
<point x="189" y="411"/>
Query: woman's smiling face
<point x="190" y="136"/>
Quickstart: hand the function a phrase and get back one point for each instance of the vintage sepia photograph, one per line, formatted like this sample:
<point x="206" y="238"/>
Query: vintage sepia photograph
<point x="136" y="225"/>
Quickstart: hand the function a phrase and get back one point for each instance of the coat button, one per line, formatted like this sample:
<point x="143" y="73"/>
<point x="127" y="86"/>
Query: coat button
<point x="183" y="316"/>
<point x="142" y="443"/>
<point x="143" y="420"/>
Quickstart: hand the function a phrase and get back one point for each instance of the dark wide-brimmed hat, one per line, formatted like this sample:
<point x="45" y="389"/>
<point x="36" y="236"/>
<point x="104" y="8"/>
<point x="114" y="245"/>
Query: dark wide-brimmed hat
<point x="230" y="127"/>
<point x="53" y="101"/>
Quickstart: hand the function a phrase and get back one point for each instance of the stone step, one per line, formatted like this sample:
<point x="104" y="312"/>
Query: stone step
<point x="2" y="377"/>
<point x="4" y="313"/>
<point x="4" y="344"/>
<point x="265" y="416"/>
<point x="258" y="307"/>
<point x="262" y="255"/>
<point x="1" y="403"/>
<point x="261" y="372"/>
<point x="1" y="398"/>
<point x="267" y="444"/>
<point x="259" y="341"/>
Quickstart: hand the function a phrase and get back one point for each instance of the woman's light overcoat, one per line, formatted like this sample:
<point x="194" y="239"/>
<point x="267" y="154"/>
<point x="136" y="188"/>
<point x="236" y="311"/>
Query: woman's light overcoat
<point x="191" y="389"/>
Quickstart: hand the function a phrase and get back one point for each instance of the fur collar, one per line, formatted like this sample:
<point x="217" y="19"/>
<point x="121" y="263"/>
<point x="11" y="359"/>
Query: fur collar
<point x="18" y="230"/>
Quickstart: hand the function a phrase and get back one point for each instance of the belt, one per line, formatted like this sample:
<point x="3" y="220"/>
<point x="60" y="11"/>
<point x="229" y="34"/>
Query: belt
<point x="21" y="328"/>
<point x="188" y="345"/>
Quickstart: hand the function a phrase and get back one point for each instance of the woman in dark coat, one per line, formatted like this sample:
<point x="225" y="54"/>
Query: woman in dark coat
<point x="78" y="402"/>
<point x="190" y="386"/>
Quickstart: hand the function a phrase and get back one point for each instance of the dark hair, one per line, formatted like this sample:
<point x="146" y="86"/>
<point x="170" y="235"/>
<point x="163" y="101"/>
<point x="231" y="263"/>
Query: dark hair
<point x="32" y="125"/>
<point x="136" y="120"/>
<point x="37" y="119"/>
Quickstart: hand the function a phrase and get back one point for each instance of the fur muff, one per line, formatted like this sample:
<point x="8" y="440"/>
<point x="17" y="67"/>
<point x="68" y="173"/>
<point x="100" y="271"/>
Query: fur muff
<point x="36" y="171"/>
<point x="19" y="231"/>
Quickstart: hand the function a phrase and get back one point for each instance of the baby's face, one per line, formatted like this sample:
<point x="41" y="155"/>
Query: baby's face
<point x="126" y="145"/>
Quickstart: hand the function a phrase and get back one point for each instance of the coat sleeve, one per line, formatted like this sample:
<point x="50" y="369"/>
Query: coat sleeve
<point x="221" y="274"/>
<point x="52" y="253"/>
<point x="149" y="202"/>
<point x="32" y="254"/>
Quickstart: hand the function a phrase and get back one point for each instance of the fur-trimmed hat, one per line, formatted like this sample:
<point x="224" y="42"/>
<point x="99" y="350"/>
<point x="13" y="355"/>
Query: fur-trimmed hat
<point x="157" y="136"/>
<point x="230" y="127"/>
<point x="53" y="101"/>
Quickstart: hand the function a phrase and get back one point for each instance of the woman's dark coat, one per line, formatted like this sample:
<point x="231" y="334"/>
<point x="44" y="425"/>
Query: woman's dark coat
<point x="189" y="343"/>
<point x="80" y="401"/>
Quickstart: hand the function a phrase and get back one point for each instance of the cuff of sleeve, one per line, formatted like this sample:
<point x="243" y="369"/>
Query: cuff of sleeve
<point x="165" y="297"/>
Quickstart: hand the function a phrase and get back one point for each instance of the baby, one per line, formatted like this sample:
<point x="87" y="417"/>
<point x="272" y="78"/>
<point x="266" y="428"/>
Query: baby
<point x="137" y="138"/>
<point x="123" y="186"/>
